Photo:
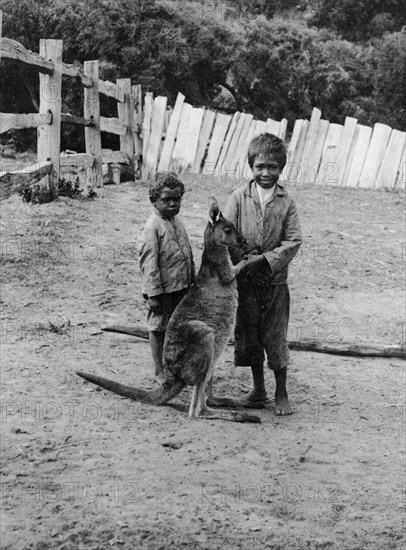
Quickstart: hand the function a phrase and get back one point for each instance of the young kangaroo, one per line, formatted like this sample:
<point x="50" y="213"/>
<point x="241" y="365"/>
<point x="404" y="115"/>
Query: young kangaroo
<point x="200" y="326"/>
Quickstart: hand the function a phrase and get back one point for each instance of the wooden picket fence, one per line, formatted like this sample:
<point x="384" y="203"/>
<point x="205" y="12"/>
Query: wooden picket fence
<point x="349" y="155"/>
<point x="193" y="140"/>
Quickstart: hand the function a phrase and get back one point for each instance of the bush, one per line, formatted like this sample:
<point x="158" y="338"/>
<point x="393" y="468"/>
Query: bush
<point x="360" y="19"/>
<point x="390" y="80"/>
<point x="66" y="188"/>
<point x="285" y="69"/>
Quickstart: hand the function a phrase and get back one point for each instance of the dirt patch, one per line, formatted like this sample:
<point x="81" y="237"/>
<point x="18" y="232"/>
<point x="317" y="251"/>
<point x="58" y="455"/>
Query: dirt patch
<point x="82" y="468"/>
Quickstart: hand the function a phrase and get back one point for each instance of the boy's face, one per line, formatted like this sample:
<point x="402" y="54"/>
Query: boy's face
<point x="266" y="171"/>
<point x="169" y="201"/>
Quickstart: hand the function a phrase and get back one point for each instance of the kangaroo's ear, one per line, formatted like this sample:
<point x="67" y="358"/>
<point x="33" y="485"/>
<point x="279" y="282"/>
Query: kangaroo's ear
<point x="214" y="210"/>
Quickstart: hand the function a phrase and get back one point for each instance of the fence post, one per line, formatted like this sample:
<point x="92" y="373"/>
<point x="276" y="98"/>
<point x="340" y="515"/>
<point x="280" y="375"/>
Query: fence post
<point x="137" y="123"/>
<point x="125" y="116"/>
<point x="146" y="124"/>
<point x="1" y="23"/>
<point x="92" y="134"/>
<point x="50" y="92"/>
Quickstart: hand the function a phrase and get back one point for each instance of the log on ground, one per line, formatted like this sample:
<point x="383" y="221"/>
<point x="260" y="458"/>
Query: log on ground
<point x="335" y="348"/>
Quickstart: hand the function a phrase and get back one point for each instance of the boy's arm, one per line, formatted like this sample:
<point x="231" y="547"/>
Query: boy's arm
<point x="279" y="257"/>
<point x="148" y="256"/>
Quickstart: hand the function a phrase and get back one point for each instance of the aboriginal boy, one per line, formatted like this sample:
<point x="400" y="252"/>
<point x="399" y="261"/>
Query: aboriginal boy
<point x="267" y="217"/>
<point x="166" y="260"/>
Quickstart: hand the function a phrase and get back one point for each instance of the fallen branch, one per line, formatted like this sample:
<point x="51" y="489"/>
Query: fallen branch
<point x="347" y="348"/>
<point x="334" y="348"/>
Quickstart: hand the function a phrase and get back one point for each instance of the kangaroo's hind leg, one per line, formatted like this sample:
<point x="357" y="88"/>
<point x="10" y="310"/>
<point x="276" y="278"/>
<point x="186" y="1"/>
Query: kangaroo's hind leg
<point x="198" y="403"/>
<point x="199" y="409"/>
<point x="188" y="353"/>
<point x="202" y="367"/>
<point x="201" y="392"/>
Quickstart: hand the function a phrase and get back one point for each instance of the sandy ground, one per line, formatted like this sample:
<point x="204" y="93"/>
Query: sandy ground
<point x="82" y="468"/>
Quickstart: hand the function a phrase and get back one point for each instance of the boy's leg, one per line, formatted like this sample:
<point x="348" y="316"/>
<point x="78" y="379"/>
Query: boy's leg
<point x="258" y="392"/>
<point x="282" y="405"/>
<point x="248" y="349"/>
<point x="156" y="341"/>
<point x="274" y="323"/>
<point x="157" y="323"/>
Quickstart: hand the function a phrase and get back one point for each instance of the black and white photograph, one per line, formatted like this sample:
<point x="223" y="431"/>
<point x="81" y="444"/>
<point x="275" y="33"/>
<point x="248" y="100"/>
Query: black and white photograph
<point x="203" y="251"/>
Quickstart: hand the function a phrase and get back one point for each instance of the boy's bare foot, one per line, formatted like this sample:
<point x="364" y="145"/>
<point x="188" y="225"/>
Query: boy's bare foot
<point x="282" y="406"/>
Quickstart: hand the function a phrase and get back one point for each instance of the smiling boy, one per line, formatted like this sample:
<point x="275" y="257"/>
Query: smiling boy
<point x="267" y="217"/>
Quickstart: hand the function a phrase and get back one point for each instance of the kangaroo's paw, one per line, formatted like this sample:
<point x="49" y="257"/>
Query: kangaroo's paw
<point x="235" y="269"/>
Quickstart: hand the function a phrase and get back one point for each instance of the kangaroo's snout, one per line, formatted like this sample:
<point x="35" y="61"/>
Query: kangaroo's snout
<point x="231" y="238"/>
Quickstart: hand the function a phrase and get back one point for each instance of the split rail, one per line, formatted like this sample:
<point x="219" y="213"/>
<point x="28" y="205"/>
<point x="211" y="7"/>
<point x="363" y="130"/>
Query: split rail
<point x="50" y="118"/>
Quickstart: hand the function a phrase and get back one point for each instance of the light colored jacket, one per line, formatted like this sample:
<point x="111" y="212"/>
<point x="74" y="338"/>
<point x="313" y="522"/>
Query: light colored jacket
<point x="276" y="233"/>
<point x="165" y="255"/>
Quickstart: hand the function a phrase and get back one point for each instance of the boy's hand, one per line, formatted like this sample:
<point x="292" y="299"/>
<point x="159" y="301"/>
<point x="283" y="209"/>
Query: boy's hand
<point x="154" y="304"/>
<point x="254" y="263"/>
<point x="257" y="268"/>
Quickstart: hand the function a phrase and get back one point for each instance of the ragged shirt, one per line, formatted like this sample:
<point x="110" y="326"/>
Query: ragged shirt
<point x="275" y="232"/>
<point x="165" y="255"/>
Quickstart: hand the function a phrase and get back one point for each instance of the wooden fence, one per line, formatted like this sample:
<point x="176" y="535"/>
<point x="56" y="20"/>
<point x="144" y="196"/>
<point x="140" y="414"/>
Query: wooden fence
<point x="185" y="138"/>
<point x="349" y="155"/>
<point x="194" y="140"/>
<point x="49" y="119"/>
<point x="191" y="140"/>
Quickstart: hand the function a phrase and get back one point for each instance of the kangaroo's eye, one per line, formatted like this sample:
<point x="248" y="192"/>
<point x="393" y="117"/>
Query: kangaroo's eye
<point x="227" y="230"/>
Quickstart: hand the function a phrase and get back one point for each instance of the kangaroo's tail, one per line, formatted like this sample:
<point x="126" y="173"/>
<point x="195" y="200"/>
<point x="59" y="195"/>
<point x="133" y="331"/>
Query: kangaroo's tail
<point x="169" y="389"/>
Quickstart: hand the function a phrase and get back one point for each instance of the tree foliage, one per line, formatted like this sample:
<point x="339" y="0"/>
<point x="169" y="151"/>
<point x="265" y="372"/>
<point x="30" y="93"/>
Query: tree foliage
<point x="390" y="80"/>
<point x="286" y="68"/>
<point x="360" y="19"/>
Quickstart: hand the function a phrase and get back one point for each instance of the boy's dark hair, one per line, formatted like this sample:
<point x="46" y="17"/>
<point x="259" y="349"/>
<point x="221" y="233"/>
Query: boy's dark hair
<point x="164" y="179"/>
<point x="266" y="144"/>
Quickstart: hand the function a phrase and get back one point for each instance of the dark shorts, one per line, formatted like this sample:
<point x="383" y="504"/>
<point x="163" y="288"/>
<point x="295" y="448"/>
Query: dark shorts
<point x="262" y="326"/>
<point x="157" y="322"/>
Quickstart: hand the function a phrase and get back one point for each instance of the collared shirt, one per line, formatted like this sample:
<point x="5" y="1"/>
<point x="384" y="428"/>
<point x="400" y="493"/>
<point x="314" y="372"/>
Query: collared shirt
<point x="165" y="255"/>
<point x="264" y="195"/>
<point x="275" y="232"/>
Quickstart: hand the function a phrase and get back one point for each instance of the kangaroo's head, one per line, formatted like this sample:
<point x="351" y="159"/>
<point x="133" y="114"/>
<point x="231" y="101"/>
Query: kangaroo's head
<point x="220" y="231"/>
